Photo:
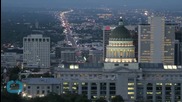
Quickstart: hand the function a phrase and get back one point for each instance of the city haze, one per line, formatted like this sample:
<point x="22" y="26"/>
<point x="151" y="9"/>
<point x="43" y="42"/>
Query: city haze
<point x="148" y="4"/>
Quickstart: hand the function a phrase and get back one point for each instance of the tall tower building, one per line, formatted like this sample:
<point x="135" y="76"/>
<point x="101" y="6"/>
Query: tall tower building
<point x="178" y="48"/>
<point x="120" y="47"/>
<point x="156" y="41"/>
<point x="106" y="33"/>
<point x="36" y="51"/>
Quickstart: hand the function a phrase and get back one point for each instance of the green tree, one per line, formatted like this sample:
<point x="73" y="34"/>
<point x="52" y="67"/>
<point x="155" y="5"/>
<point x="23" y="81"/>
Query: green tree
<point x="101" y="100"/>
<point x="14" y="73"/>
<point x="118" y="98"/>
<point x="10" y="97"/>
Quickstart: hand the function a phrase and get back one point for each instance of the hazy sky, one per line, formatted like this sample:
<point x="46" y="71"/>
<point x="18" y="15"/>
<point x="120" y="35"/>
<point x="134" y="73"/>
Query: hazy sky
<point x="158" y="4"/>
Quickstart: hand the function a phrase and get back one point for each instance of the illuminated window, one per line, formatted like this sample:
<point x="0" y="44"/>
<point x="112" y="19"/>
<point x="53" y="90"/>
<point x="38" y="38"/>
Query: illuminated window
<point x="168" y="84"/>
<point x="158" y="83"/>
<point x="158" y="93"/>
<point x="130" y="83"/>
<point x="149" y="93"/>
<point x="65" y="83"/>
<point x="130" y="88"/>
<point x="130" y="93"/>
<point x="132" y="97"/>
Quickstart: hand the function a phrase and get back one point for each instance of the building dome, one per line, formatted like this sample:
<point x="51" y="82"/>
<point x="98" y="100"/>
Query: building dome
<point x="120" y="32"/>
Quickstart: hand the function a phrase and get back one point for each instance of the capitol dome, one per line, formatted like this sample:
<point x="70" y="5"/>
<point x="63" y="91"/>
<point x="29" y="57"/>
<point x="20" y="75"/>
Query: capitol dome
<point x="120" y="32"/>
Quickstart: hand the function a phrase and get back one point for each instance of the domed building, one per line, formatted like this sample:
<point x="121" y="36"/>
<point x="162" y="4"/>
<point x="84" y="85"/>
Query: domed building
<point x="120" y="48"/>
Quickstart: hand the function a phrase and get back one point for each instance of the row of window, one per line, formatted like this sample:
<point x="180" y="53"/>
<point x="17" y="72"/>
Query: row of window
<point x="36" y="39"/>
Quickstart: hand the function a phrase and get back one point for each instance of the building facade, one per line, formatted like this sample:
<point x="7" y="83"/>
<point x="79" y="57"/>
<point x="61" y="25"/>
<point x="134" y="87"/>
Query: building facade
<point x="36" y="51"/>
<point x="143" y="82"/>
<point x="156" y="41"/>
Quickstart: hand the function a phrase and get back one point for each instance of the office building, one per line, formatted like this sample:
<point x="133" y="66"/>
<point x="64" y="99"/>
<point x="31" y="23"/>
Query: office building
<point x="95" y="56"/>
<point x="36" y="51"/>
<point x="8" y="60"/>
<point x="106" y="33"/>
<point x="66" y="54"/>
<point x="156" y="41"/>
<point x="178" y="48"/>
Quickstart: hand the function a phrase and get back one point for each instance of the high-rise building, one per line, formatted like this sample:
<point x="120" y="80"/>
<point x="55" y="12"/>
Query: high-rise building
<point x="95" y="56"/>
<point x="156" y="41"/>
<point x="36" y="51"/>
<point x="106" y="33"/>
<point x="178" y="48"/>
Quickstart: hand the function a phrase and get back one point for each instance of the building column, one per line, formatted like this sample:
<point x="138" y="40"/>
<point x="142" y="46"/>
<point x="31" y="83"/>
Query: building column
<point x="107" y="91"/>
<point x="89" y="90"/>
<point x="154" y="92"/>
<point x="80" y="88"/>
<point x="144" y="91"/>
<point x="118" y="53"/>
<point x="129" y="54"/>
<point x="135" y="88"/>
<point x="124" y="53"/>
<point x="61" y="88"/>
<point x="98" y="90"/>
<point x="181" y="89"/>
<point x="70" y="87"/>
<point x="163" y="92"/>
<point x="172" y="93"/>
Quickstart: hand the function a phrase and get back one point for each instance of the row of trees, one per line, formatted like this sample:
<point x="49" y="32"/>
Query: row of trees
<point x="53" y="97"/>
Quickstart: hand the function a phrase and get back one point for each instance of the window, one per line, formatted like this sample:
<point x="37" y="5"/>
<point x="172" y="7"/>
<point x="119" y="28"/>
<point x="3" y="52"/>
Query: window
<point x="43" y="91"/>
<point x="57" y="87"/>
<point x="125" y="64"/>
<point x="116" y="64"/>
<point x="28" y="87"/>
<point x="37" y="87"/>
<point x="37" y="91"/>
<point x="48" y="87"/>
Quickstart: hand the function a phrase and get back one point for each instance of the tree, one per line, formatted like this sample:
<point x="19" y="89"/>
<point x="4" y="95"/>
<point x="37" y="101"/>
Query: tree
<point x="101" y="100"/>
<point x="118" y="98"/>
<point x="14" y="73"/>
<point x="10" y="97"/>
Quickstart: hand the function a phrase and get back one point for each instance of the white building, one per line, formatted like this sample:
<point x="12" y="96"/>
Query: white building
<point x="36" y="51"/>
<point x="133" y="81"/>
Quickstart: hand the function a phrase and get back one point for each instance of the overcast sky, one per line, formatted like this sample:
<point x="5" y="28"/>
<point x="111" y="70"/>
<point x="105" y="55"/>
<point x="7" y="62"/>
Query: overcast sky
<point x="158" y="4"/>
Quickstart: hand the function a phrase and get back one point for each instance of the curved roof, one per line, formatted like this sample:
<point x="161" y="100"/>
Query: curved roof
<point x="120" y="32"/>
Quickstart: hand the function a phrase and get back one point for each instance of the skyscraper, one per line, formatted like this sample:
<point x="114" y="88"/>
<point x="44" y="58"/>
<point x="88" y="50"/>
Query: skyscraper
<point x="178" y="48"/>
<point x="156" y="41"/>
<point x="36" y="51"/>
<point x="106" y="33"/>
